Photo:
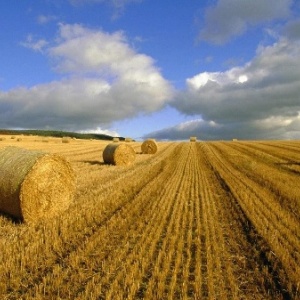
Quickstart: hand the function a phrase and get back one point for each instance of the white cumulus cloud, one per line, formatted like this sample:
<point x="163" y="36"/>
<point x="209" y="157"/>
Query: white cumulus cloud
<point x="259" y="100"/>
<point x="105" y="81"/>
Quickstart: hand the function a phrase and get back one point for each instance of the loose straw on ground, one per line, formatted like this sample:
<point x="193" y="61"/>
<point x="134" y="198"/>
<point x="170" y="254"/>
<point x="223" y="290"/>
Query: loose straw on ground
<point x="149" y="146"/>
<point x="34" y="184"/>
<point x="119" y="154"/>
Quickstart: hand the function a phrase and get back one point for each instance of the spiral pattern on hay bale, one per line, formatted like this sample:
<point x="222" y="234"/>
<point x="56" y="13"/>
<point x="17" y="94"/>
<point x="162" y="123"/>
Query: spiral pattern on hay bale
<point x="149" y="146"/>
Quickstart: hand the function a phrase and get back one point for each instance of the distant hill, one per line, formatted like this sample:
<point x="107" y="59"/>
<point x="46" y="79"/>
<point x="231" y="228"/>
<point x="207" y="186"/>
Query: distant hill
<point x="54" y="133"/>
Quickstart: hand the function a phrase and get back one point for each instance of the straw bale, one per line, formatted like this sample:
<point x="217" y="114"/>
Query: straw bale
<point x="34" y="184"/>
<point x="2" y="139"/>
<point x="193" y="139"/>
<point x="66" y="139"/>
<point x="128" y="139"/>
<point x="116" y="139"/>
<point x="149" y="146"/>
<point x="119" y="154"/>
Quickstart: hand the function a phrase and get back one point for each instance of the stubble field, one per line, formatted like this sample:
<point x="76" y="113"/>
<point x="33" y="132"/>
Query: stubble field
<point x="196" y="220"/>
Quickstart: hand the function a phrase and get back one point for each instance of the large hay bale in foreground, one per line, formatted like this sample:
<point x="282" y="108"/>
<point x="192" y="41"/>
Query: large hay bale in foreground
<point x="119" y="154"/>
<point x="149" y="146"/>
<point x="34" y="184"/>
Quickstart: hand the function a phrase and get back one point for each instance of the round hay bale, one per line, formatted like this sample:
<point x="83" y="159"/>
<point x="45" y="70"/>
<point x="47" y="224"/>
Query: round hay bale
<point x="116" y="139"/>
<point x="119" y="154"/>
<point x="66" y="140"/>
<point x="34" y="184"/>
<point x="149" y="146"/>
<point x="193" y="139"/>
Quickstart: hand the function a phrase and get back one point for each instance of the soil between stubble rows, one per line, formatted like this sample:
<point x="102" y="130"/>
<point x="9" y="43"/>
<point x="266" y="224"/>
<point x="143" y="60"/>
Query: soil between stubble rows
<point x="179" y="224"/>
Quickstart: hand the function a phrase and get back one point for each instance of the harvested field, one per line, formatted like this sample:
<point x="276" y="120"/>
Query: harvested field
<point x="202" y="220"/>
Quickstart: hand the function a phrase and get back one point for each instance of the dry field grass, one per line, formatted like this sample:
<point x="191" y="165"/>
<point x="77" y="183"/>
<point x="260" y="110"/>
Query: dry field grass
<point x="202" y="220"/>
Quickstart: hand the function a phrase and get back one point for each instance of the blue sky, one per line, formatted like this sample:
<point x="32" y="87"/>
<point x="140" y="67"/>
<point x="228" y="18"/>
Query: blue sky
<point x="215" y="69"/>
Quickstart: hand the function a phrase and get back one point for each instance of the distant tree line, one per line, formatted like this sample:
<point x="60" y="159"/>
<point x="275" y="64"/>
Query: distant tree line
<point x="57" y="133"/>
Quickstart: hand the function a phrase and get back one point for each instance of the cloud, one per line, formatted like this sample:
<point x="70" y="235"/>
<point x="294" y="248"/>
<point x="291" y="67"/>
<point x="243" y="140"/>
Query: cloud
<point x="105" y="80"/>
<point x="257" y="100"/>
<point x="117" y="5"/>
<point x="292" y="29"/>
<point x="101" y="131"/>
<point x="198" y="127"/>
<point x="270" y="128"/>
<point x="33" y="44"/>
<point x="43" y="19"/>
<point x="231" y="18"/>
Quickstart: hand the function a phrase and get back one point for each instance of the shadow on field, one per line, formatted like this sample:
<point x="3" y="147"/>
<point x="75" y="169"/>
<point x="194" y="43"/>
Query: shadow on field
<point x="93" y="162"/>
<point x="11" y="218"/>
<point x="290" y="166"/>
<point x="290" y="163"/>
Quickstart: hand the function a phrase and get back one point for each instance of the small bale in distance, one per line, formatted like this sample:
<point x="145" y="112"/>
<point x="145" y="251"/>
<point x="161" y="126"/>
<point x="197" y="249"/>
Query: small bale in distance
<point x="2" y="139"/>
<point x="118" y="154"/>
<point x="66" y="139"/>
<point x="234" y="140"/>
<point x="193" y="139"/>
<point x="34" y="184"/>
<point x="149" y="146"/>
<point x="116" y="139"/>
<point x="128" y="139"/>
